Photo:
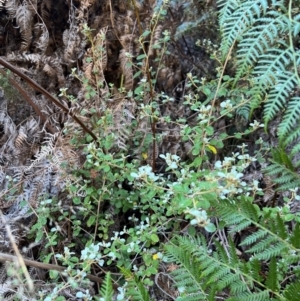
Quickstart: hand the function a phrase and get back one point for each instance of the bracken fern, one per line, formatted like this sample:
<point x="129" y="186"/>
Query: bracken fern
<point x="202" y="272"/>
<point x="265" y="34"/>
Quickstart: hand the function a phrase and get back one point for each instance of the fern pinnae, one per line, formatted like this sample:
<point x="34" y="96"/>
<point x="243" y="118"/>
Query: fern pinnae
<point x="252" y="238"/>
<point x="106" y="289"/>
<point x="242" y="18"/>
<point x="295" y="236"/>
<point x="267" y="69"/>
<point x="227" y="7"/>
<point x="283" y="176"/>
<point x="186" y="277"/>
<point x="260" y="296"/>
<point x="272" y="250"/>
<point x="24" y="19"/>
<point x="290" y="118"/>
<point x="292" y="292"/>
<point x="279" y="94"/>
<point x="256" y="41"/>
<point x="214" y="270"/>
<point x="279" y="227"/>
<point x="272" y="279"/>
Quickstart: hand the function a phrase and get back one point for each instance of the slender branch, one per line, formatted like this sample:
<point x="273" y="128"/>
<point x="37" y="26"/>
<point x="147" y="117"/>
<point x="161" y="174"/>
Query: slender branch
<point x="18" y="258"/>
<point x="40" y="265"/>
<point x="40" y="89"/>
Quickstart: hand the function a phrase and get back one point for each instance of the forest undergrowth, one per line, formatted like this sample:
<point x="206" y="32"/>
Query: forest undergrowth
<point x="149" y="150"/>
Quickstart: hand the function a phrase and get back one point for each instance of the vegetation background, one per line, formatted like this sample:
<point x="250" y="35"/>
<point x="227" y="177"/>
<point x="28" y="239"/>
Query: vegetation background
<point x="149" y="150"/>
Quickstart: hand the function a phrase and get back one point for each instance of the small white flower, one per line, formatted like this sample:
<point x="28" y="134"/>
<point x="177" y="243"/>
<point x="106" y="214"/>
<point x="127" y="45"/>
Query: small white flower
<point x="218" y="164"/>
<point x="226" y="104"/>
<point x="171" y="160"/>
<point x="255" y="125"/>
<point x="144" y="173"/>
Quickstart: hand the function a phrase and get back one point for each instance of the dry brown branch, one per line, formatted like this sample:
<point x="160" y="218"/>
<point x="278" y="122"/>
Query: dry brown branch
<point x="40" y="89"/>
<point x="40" y="265"/>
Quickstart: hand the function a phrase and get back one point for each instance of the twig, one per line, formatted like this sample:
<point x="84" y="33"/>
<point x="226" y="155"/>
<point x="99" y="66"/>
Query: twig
<point x="40" y="89"/>
<point x="47" y="266"/>
<point x="18" y="258"/>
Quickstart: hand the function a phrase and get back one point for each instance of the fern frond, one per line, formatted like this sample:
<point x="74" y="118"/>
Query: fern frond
<point x="243" y="17"/>
<point x="212" y="269"/>
<point x="226" y="9"/>
<point x="24" y="19"/>
<point x="257" y="40"/>
<point x="272" y="280"/>
<point x="292" y="292"/>
<point x="290" y="118"/>
<point x="274" y="242"/>
<point x="266" y="72"/>
<point x="261" y="296"/>
<point x="135" y="291"/>
<point x="279" y="95"/>
<point x="187" y="276"/>
<point x="282" y="175"/>
<point x="106" y="289"/>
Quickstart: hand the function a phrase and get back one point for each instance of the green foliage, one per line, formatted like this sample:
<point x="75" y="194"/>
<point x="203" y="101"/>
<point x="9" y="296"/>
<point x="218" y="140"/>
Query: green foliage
<point x="265" y="35"/>
<point x="106" y="289"/>
<point x="123" y="209"/>
<point x="203" y="272"/>
<point x="136" y="291"/>
<point x="282" y="170"/>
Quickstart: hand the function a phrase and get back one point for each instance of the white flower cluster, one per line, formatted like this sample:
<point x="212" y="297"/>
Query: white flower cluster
<point x="230" y="182"/>
<point x="229" y="174"/>
<point x="204" y="112"/>
<point x="200" y="217"/>
<point x="171" y="160"/>
<point x="226" y="104"/>
<point x="144" y="173"/>
<point x="92" y="253"/>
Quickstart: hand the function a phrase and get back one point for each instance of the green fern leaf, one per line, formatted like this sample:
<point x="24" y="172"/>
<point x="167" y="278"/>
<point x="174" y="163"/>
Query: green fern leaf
<point x="257" y="40"/>
<point x="266" y="72"/>
<point x="283" y="176"/>
<point x="295" y="237"/>
<point x="106" y="290"/>
<point x="240" y="20"/>
<point x="261" y="296"/>
<point x="272" y="280"/>
<point x="187" y="277"/>
<point x="292" y="292"/>
<point x="279" y="94"/>
<point x="290" y="119"/>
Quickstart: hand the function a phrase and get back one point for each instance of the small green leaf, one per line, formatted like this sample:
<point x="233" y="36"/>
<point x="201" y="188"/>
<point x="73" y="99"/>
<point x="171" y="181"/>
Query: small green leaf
<point x="210" y="227"/>
<point x="154" y="238"/>
<point x="206" y="91"/>
<point x="76" y="200"/>
<point x="146" y="33"/>
<point x="91" y="220"/>
<point x="141" y="56"/>
<point x="53" y="274"/>
<point x="289" y="217"/>
<point x="191" y="231"/>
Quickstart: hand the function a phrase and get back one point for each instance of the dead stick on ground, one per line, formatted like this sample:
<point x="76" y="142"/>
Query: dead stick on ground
<point x="18" y="257"/>
<point x="47" y="266"/>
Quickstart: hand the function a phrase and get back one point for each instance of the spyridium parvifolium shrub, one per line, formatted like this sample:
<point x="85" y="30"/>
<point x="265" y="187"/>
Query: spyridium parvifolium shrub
<point x="123" y="211"/>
